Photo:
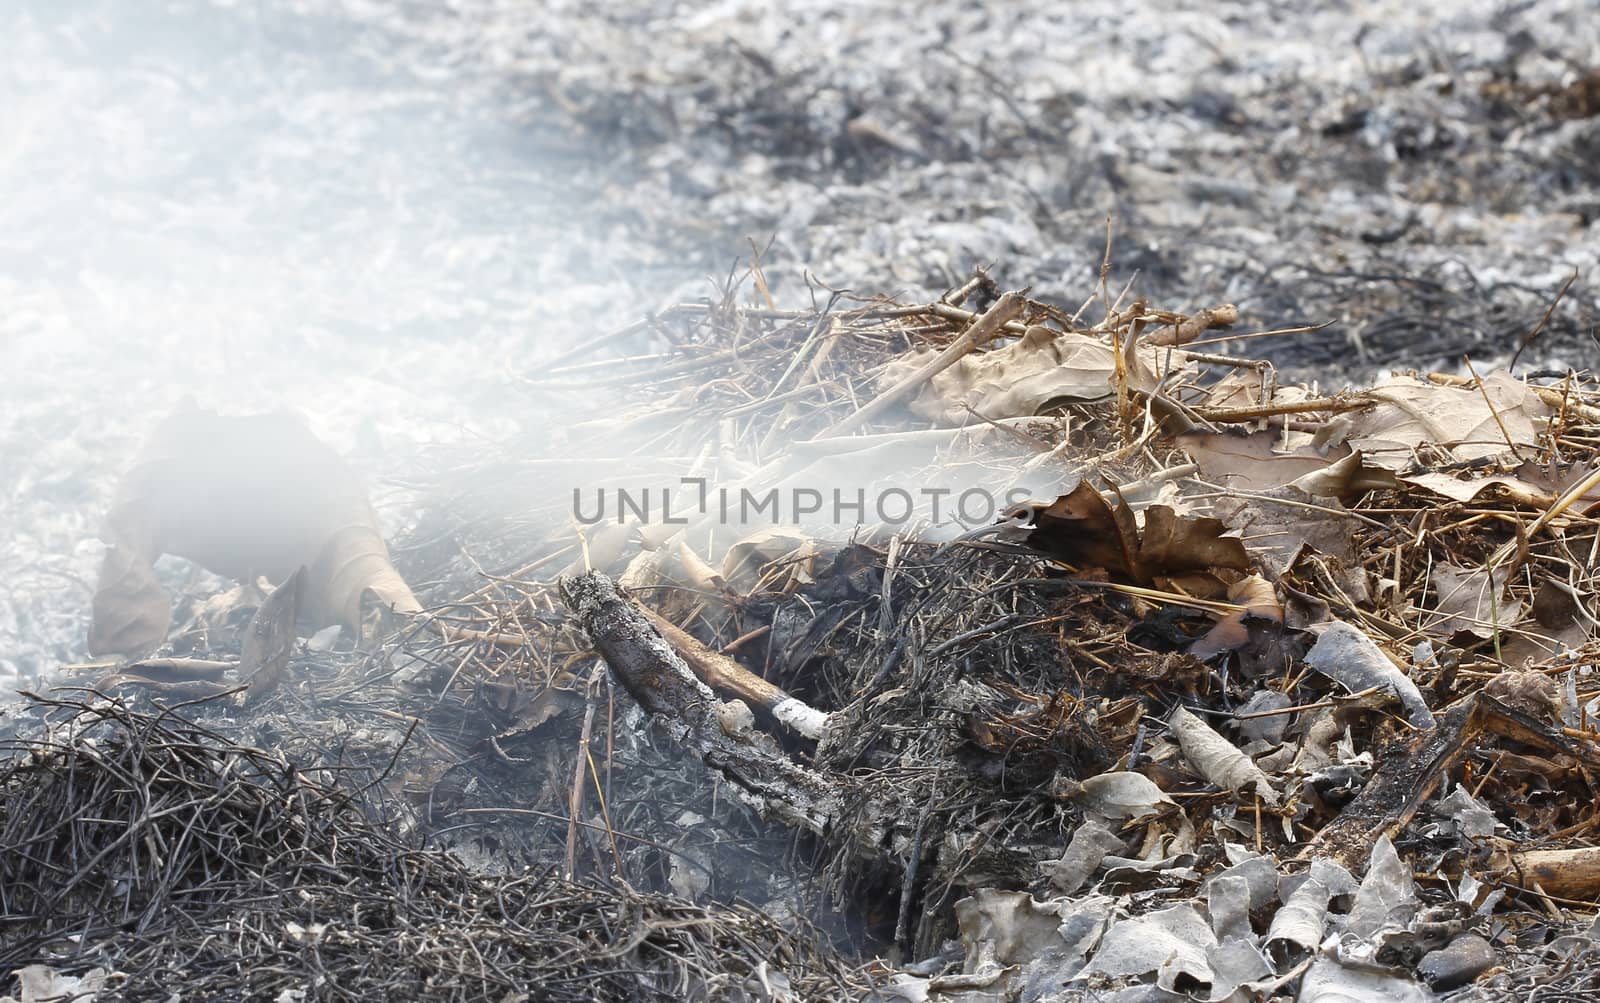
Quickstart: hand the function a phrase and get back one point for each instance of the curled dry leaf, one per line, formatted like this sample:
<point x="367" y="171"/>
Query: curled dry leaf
<point x="1297" y="928"/>
<point x="1558" y="479"/>
<point x="1258" y="462"/>
<point x="1346" y="477"/>
<point x="240" y="496"/>
<point x="1532" y="693"/>
<point x="269" y="639"/>
<point x="1280" y="525"/>
<point x="1457" y="489"/>
<point x="1350" y="658"/>
<point x="1561" y="621"/>
<point x="1170" y="944"/>
<point x="1115" y="795"/>
<point x="1252" y="462"/>
<point x="1090" y="844"/>
<point x="702" y="577"/>
<point x="131" y="611"/>
<point x="1259" y="601"/>
<point x="1217" y="760"/>
<point x="773" y="559"/>
<point x="1387" y="897"/>
<point x="1243" y="387"/>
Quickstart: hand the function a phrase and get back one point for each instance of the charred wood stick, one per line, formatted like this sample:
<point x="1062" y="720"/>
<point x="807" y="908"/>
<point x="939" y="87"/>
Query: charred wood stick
<point x="688" y="711"/>
<point x="1006" y="309"/>
<point x="725" y="674"/>
<point x="1506" y="722"/>
<point x="1408" y="778"/>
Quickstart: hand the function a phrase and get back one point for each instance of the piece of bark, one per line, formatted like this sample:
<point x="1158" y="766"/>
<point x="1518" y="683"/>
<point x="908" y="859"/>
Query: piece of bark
<point x="723" y="673"/>
<point x="687" y="710"/>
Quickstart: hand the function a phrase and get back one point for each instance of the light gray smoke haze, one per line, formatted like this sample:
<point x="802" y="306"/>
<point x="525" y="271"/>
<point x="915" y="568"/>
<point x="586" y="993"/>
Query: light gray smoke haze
<point x="258" y="205"/>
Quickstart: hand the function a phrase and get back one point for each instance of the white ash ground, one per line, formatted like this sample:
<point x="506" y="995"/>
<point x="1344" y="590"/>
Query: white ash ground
<point x="358" y="209"/>
<point x="1240" y="146"/>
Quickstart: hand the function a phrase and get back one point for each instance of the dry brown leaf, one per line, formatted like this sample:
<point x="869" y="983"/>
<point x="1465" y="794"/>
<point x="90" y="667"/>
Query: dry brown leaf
<point x="771" y="559"/>
<point x="1457" y="420"/>
<point x="527" y="715"/>
<point x="170" y="678"/>
<point x="1042" y="369"/>
<point x="702" y="577"/>
<point x="177" y="670"/>
<point x="1279" y="527"/>
<point x="1083" y="529"/>
<point x="351" y="570"/>
<point x="1555" y="480"/>
<point x="1466" y="600"/>
<point x="172" y="691"/>
<point x="1560" y="622"/>
<point x="1172" y="544"/>
<point x="1532" y="693"/>
<point x="131" y="611"/>
<point x="1257" y="461"/>
<point x="1346" y="477"/>
<point x="1254" y="462"/>
<point x="1260" y="602"/>
<point x="1457" y="489"/>
<point x="1534" y="485"/>
<point x="240" y="496"/>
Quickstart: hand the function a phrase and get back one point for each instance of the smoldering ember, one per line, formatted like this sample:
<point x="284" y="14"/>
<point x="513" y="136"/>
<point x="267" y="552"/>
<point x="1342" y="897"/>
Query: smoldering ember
<point x="743" y="502"/>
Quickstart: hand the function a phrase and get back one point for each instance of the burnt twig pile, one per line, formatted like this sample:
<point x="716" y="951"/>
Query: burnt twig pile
<point x="185" y="863"/>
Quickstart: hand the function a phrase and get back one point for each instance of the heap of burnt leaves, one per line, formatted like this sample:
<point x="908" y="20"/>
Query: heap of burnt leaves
<point x="1333" y="638"/>
<point x="1239" y="688"/>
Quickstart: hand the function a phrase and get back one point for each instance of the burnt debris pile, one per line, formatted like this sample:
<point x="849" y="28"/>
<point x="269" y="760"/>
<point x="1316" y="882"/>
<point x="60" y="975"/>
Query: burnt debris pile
<point x="154" y="858"/>
<point x="976" y="649"/>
